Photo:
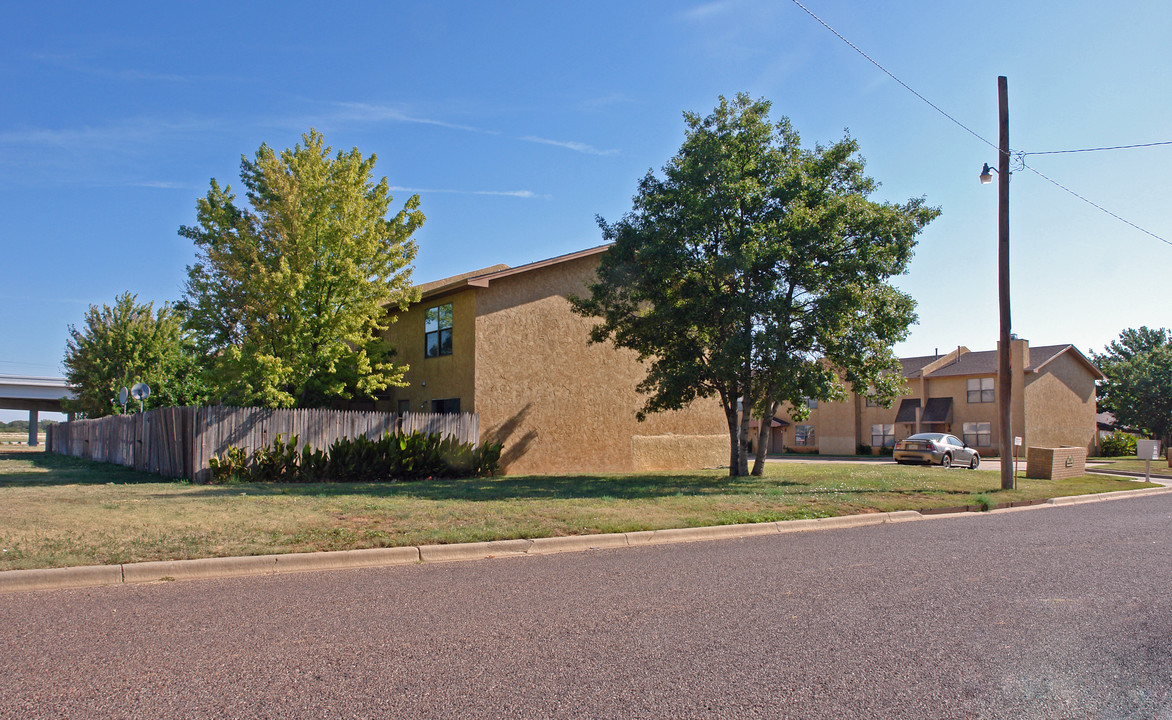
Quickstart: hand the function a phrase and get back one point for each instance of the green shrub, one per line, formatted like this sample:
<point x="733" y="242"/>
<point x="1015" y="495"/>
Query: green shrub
<point x="1118" y="444"/>
<point x="886" y="451"/>
<point x="279" y="462"/>
<point x="394" y="456"/>
<point x="232" y="465"/>
<point x="863" y="449"/>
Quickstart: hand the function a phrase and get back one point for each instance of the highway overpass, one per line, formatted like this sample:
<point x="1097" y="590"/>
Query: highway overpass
<point x="24" y="392"/>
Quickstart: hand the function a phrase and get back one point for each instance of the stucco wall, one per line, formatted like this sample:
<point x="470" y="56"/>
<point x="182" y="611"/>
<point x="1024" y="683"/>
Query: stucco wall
<point x="1060" y="405"/>
<point x="956" y="387"/>
<point x="558" y="403"/>
<point x="679" y="452"/>
<point x="835" y="427"/>
<point x="446" y="376"/>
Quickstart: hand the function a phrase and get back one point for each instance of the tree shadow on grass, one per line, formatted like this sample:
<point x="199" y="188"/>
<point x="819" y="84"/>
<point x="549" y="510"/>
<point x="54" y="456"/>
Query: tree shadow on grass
<point x="25" y="468"/>
<point x="521" y="487"/>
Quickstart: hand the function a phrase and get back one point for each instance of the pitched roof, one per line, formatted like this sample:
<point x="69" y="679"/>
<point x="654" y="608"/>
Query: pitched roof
<point x="913" y="365"/>
<point x="428" y="288"/>
<point x="984" y="362"/>
<point x="482" y="278"/>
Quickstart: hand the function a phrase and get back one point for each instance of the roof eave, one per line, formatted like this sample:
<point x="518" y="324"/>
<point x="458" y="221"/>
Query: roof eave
<point x="1096" y="372"/>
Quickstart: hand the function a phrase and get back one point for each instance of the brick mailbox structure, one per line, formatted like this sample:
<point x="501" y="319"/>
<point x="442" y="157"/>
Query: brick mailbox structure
<point x="1055" y="463"/>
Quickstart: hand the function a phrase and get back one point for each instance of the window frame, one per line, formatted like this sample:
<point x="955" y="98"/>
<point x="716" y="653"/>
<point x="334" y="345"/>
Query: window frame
<point x="983" y="392"/>
<point x="434" y="328"/>
<point x="886" y="435"/>
<point x="445" y="406"/>
<point x="805" y="436"/>
<point x="976" y="433"/>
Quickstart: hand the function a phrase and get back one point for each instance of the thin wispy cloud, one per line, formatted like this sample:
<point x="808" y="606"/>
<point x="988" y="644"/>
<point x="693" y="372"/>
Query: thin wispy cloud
<point x="605" y="101"/>
<point x="570" y="145"/>
<point x="133" y="131"/>
<point x="72" y="63"/>
<point x="160" y="184"/>
<point x="366" y="112"/>
<point x="708" y="10"/>
<point x="527" y="194"/>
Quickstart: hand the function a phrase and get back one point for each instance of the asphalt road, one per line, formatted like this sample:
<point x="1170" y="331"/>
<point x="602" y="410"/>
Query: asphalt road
<point x="1057" y="612"/>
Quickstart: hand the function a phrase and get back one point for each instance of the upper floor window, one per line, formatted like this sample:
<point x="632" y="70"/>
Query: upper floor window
<point x="437" y="335"/>
<point x="812" y="403"/>
<point x="981" y="390"/>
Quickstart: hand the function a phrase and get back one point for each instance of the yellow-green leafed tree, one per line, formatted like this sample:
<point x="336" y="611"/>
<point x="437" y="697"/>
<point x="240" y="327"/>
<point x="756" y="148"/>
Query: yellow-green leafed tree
<point x="288" y="296"/>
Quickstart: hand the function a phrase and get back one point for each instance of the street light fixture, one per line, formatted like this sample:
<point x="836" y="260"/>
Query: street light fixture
<point x="987" y="174"/>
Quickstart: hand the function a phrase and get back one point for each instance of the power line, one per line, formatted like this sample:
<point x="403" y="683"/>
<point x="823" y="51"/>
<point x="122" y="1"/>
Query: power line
<point x="1097" y="149"/>
<point x="891" y="75"/>
<point x="1020" y="156"/>
<point x="1092" y="204"/>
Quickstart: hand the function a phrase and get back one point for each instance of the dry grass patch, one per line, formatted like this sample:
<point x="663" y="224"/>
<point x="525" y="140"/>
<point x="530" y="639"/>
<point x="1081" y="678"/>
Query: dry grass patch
<point x="57" y="511"/>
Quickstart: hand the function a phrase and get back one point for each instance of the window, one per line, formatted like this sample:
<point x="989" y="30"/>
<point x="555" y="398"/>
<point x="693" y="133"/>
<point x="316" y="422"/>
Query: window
<point x="882" y="436"/>
<point x="978" y="434"/>
<point x="404" y="406"/>
<point x="804" y="436"/>
<point x="446" y="406"/>
<point x="981" y="390"/>
<point x="812" y="403"/>
<point x="872" y="402"/>
<point x="437" y="336"/>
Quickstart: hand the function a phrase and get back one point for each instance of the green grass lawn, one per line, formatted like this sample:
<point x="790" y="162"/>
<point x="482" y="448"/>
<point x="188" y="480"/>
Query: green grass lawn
<point x="57" y="511"/>
<point x="1131" y="464"/>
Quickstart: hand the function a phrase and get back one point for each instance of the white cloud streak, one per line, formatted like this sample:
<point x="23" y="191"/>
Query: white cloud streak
<point x="570" y="145"/>
<point x="527" y="194"/>
<point x="365" y="112"/>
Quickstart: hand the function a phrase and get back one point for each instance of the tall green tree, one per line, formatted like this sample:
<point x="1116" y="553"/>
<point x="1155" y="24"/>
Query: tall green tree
<point x="127" y="343"/>
<point x="1138" y="388"/>
<point x="289" y="294"/>
<point x="756" y="270"/>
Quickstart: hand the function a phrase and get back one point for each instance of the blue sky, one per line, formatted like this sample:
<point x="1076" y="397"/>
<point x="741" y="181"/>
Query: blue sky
<point x="518" y="122"/>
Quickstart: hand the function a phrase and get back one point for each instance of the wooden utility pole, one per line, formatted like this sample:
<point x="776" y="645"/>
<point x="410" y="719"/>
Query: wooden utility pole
<point x="1004" y="374"/>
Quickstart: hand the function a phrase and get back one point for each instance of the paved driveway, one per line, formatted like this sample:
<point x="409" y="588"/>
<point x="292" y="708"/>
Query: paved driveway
<point x="1059" y="612"/>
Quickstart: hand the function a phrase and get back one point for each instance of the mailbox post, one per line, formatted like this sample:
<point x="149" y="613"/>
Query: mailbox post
<point x="1148" y="450"/>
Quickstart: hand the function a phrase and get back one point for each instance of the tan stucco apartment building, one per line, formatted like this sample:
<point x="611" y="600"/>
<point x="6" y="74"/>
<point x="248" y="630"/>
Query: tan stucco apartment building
<point x="1052" y="404"/>
<point x="503" y="342"/>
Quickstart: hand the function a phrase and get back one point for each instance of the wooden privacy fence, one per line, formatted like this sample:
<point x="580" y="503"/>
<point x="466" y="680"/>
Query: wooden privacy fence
<point x="179" y="441"/>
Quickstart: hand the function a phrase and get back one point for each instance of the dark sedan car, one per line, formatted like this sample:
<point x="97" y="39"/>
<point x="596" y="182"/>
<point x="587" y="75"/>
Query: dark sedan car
<point x="936" y="449"/>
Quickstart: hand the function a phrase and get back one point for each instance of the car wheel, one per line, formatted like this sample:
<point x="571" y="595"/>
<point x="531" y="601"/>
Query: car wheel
<point x="975" y="462"/>
<point x="946" y="461"/>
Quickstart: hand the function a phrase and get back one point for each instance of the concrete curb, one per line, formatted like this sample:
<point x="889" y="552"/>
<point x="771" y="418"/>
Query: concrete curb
<point x="1103" y="497"/>
<point x="96" y="575"/>
<point x="52" y="578"/>
<point x="473" y="551"/>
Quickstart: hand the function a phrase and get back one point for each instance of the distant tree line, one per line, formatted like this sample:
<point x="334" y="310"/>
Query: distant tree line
<point x="21" y="426"/>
